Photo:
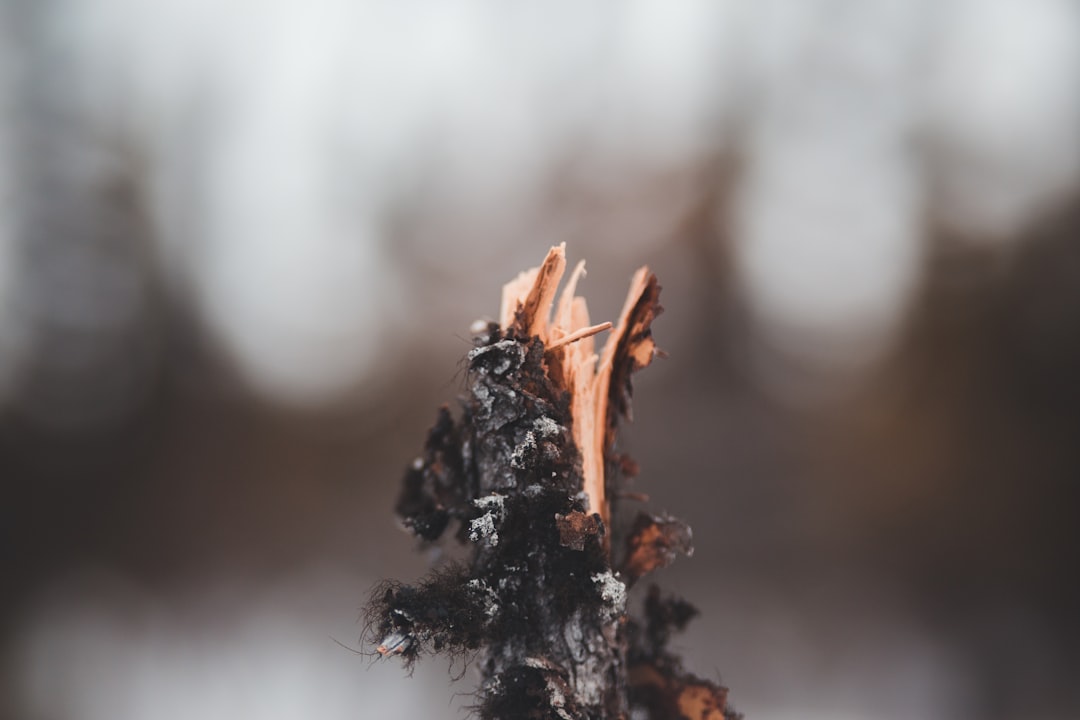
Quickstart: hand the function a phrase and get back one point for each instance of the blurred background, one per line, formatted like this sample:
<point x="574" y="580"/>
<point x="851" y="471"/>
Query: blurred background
<point x="241" y="244"/>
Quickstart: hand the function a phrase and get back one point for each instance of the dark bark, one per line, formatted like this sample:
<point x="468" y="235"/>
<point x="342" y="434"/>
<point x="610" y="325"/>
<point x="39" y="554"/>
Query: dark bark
<point x="539" y="601"/>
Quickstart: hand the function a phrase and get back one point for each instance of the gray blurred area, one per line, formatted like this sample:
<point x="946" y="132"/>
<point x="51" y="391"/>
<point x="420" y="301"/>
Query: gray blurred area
<point x="241" y="244"/>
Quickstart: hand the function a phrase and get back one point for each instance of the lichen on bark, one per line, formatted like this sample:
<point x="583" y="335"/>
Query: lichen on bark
<point x="527" y="473"/>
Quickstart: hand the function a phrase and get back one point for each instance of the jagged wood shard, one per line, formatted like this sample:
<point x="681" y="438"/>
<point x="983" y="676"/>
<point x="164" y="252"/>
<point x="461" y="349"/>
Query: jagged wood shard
<point x="599" y="387"/>
<point x="528" y="474"/>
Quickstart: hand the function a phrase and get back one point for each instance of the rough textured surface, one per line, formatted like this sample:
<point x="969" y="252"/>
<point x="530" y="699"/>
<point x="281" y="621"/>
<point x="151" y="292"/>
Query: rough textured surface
<point x="654" y="543"/>
<point x="540" y="607"/>
<point x="539" y="603"/>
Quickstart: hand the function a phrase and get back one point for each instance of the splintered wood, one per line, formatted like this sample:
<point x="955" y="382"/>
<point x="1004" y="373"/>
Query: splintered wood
<point x="524" y="476"/>
<point x="567" y="335"/>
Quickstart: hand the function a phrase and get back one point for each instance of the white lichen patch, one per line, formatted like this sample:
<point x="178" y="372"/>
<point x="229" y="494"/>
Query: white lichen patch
<point x="612" y="591"/>
<point x="524" y="448"/>
<point x="491" y="600"/>
<point x="546" y="427"/>
<point x="483" y="396"/>
<point x="486" y="526"/>
<point x="490" y="502"/>
<point x="504" y="363"/>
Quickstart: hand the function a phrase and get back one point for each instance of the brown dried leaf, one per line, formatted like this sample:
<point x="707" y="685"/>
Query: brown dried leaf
<point x="678" y="698"/>
<point x="702" y="702"/>
<point x="576" y="528"/>
<point x="654" y="542"/>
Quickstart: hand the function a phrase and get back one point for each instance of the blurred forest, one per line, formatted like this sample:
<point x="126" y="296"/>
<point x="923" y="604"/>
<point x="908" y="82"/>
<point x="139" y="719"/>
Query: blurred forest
<point x="241" y="245"/>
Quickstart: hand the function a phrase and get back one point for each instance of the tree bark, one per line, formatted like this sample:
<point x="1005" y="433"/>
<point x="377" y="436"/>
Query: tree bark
<point x="541" y="602"/>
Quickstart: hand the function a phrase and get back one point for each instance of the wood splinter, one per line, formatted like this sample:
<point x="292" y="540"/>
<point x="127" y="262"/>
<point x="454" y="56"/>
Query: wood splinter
<point x="527" y="475"/>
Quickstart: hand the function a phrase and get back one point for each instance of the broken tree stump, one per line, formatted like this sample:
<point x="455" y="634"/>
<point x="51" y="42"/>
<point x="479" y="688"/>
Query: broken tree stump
<point x="528" y="476"/>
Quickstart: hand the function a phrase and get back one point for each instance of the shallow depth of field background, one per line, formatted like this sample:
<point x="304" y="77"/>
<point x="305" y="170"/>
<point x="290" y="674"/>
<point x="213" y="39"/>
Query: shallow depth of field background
<point x="241" y="244"/>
